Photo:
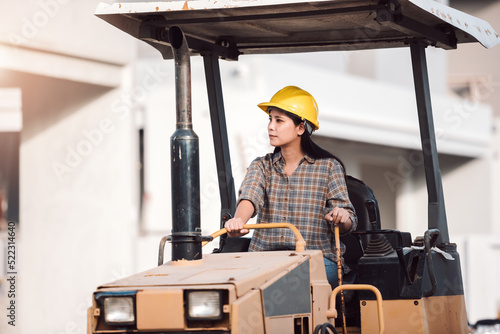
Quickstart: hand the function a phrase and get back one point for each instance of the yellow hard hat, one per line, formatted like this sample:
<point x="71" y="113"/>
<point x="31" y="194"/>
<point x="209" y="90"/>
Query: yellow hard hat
<point x="297" y="101"/>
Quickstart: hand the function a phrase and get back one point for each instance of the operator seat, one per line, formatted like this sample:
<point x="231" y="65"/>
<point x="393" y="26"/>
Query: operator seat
<point x="366" y="206"/>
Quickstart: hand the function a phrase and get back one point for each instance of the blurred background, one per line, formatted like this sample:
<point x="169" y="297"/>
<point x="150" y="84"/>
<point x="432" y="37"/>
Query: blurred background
<point x="86" y="113"/>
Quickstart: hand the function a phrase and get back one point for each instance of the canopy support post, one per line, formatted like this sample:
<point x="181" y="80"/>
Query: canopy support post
<point x="220" y="137"/>
<point x="436" y="207"/>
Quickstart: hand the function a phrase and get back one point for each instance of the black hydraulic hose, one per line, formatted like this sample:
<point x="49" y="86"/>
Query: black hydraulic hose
<point x="402" y="263"/>
<point x="430" y="238"/>
<point x="322" y="328"/>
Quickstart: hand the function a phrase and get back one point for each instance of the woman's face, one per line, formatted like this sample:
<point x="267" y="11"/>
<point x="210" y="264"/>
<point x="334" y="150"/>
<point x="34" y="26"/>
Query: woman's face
<point x="281" y="129"/>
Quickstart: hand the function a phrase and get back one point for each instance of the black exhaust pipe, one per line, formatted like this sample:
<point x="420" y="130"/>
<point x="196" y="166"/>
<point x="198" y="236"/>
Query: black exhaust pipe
<point x="185" y="168"/>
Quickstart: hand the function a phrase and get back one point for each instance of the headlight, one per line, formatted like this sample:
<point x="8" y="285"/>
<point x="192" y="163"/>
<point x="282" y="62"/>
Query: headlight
<point x="117" y="307"/>
<point x="119" y="310"/>
<point x="204" y="305"/>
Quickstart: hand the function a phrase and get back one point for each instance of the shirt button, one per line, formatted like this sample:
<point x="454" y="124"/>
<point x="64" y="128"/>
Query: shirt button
<point x="282" y="237"/>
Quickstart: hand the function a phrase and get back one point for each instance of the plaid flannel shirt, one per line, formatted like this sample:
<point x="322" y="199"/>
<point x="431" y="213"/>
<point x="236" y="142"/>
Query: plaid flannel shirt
<point x="302" y="199"/>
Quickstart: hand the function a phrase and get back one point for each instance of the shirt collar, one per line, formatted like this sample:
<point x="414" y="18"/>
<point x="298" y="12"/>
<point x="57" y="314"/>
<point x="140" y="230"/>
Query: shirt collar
<point x="277" y="157"/>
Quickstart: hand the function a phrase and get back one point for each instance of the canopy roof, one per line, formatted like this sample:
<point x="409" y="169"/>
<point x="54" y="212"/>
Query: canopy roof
<point x="233" y="27"/>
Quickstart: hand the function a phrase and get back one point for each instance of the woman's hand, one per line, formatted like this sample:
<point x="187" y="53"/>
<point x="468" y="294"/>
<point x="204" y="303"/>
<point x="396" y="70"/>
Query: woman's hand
<point x="341" y="217"/>
<point x="234" y="227"/>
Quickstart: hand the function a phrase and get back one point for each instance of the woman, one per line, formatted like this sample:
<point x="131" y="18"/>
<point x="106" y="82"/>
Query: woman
<point x="299" y="183"/>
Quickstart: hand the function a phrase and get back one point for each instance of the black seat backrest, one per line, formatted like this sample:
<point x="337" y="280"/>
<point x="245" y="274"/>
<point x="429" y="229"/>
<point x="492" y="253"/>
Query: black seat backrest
<point x="367" y="211"/>
<point x="364" y="201"/>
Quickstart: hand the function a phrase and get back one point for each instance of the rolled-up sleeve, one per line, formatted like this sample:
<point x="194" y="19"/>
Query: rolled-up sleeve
<point x="253" y="186"/>
<point x="338" y="195"/>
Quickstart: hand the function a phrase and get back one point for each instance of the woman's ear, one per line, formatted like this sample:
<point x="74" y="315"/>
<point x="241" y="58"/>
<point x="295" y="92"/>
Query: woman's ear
<point x="302" y="128"/>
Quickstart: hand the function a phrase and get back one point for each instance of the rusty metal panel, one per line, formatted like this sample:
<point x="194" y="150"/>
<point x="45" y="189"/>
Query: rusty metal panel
<point x="469" y="28"/>
<point x="263" y="26"/>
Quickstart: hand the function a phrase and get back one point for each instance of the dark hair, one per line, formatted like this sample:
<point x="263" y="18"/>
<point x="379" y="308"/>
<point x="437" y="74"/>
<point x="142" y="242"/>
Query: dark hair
<point x="306" y="143"/>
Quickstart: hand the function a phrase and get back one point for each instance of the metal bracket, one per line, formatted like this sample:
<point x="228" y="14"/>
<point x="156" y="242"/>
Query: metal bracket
<point x="153" y="31"/>
<point x="229" y="43"/>
<point x="392" y="15"/>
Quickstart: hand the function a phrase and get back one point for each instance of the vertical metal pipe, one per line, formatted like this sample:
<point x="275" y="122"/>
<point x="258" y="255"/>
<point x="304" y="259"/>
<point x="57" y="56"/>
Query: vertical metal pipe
<point x="182" y="77"/>
<point x="436" y="207"/>
<point x="185" y="168"/>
